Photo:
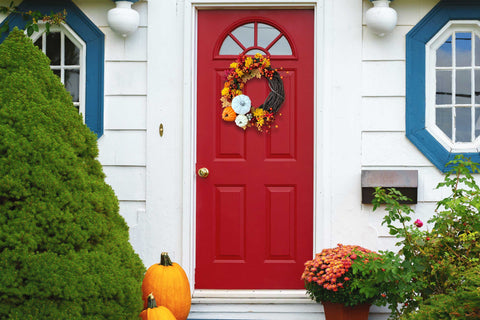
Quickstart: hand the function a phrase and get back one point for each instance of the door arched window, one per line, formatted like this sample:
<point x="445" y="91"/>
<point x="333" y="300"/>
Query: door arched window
<point x="256" y="37"/>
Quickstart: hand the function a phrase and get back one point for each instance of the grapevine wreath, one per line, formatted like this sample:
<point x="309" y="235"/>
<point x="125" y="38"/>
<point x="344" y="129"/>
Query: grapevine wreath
<point x="237" y="106"/>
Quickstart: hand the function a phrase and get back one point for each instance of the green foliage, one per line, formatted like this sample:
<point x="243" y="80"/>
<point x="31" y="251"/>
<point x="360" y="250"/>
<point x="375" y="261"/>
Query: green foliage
<point x="64" y="249"/>
<point x="435" y="261"/>
<point x="32" y="18"/>
<point x="463" y="303"/>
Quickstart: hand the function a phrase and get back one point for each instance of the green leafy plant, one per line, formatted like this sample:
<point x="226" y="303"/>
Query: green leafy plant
<point x="435" y="260"/>
<point x="463" y="303"/>
<point x="32" y="19"/>
<point x="64" y="249"/>
<point x="350" y="275"/>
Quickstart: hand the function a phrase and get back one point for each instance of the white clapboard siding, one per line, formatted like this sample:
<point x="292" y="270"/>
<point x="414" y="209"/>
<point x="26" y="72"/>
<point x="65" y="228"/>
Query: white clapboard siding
<point x="388" y="47"/>
<point x="123" y="148"/>
<point x="127" y="182"/>
<point x="383" y="114"/>
<point x="125" y="112"/>
<point x="383" y="78"/>
<point x="125" y="78"/>
<point x="390" y="149"/>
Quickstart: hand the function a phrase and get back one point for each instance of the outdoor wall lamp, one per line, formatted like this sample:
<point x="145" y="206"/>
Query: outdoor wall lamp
<point x="381" y="19"/>
<point x="123" y="19"/>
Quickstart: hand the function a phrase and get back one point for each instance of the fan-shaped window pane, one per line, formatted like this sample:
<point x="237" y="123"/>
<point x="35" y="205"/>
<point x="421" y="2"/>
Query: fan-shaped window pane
<point x="230" y="47"/>
<point x="255" y="37"/>
<point x="266" y="34"/>
<point x="255" y="51"/>
<point x="281" y="47"/>
<point x="245" y="34"/>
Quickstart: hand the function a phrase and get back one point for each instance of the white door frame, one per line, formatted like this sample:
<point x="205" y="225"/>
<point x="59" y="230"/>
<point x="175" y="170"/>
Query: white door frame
<point x="322" y="178"/>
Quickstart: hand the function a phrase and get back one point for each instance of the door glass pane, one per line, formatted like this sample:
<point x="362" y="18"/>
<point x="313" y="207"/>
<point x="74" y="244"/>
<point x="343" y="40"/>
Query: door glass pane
<point x="281" y="47"/>
<point x="444" y="54"/>
<point x="463" y="82"/>
<point x="266" y="34"/>
<point x="443" y="120"/>
<point x="53" y="48"/>
<point x="230" y="47"/>
<point x="477" y="122"/>
<point x="463" y="44"/>
<point x="444" y="87"/>
<point x="245" y="34"/>
<point x="463" y="124"/>
<point x="72" y="83"/>
<point x="255" y="51"/>
<point x="72" y="53"/>
<point x="477" y="51"/>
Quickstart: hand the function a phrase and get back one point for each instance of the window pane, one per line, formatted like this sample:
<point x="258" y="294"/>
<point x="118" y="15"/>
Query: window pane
<point x="38" y="43"/>
<point x="477" y="122"/>
<point x="266" y="34"/>
<point x="57" y="73"/>
<point x="53" y="48"/>
<point x="444" y="54"/>
<point x="72" y="53"/>
<point x="463" y="124"/>
<point x="477" y="86"/>
<point x="255" y="51"/>
<point x="477" y="51"/>
<point x="464" y="49"/>
<point x="444" y="87"/>
<point x="464" y="87"/>
<point x="230" y="47"/>
<point x="245" y="34"/>
<point x="281" y="47"/>
<point x="443" y="120"/>
<point x="72" y="83"/>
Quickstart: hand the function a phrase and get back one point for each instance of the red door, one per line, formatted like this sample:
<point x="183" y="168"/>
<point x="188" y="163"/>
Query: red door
<point x="254" y="220"/>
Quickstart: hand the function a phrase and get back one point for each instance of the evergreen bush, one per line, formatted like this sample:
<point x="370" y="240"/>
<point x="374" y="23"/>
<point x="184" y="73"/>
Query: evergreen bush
<point x="64" y="249"/>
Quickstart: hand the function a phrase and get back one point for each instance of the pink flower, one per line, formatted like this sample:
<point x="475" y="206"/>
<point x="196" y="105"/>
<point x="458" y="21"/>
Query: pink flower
<point x="418" y="223"/>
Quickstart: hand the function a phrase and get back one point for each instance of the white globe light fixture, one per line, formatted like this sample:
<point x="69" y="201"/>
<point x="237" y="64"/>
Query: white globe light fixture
<point x="381" y="19"/>
<point x="123" y="19"/>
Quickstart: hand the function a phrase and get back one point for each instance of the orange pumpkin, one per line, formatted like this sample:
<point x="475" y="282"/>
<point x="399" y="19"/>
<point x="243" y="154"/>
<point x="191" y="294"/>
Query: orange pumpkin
<point x="228" y="114"/>
<point x="169" y="284"/>
<point x="155" y="313"/>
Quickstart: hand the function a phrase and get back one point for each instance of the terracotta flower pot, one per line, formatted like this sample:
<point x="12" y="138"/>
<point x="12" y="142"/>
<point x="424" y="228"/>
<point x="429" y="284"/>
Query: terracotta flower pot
<point x="337" y="311"/>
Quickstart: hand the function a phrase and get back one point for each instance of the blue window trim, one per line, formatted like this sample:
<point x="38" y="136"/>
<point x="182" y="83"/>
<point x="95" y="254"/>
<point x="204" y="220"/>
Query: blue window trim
<point x="416" y="41"/>
<point x="95" y="52"/>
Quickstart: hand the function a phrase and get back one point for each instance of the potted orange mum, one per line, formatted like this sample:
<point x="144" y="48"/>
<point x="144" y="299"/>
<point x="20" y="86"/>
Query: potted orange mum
<point x="346" y="279"/>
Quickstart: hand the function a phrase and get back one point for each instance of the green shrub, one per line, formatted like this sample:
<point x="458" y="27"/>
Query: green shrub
<point x="460" y="303"/>
<point x="436" y="259"/>
<point x="64" y="250"/>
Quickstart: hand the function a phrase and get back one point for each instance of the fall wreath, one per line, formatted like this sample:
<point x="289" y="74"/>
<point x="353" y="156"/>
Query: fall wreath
<point x="238" y="107"/>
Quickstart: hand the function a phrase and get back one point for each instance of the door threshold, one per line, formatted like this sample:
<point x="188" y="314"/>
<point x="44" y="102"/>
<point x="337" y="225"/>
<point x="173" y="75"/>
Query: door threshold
<point x="213" y="296"/>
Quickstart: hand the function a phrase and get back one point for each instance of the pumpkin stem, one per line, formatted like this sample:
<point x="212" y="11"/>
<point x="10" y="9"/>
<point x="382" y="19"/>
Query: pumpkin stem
<point x="165" y="259"/>
<point x="151" y="303"/>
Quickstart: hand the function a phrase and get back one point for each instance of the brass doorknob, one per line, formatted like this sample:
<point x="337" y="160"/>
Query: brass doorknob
<point x="203" y="172"/>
